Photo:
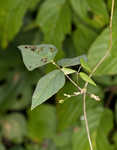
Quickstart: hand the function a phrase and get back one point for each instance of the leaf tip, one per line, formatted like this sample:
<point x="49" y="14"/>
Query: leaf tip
<point x="32" y="107"/>
<point x="19" y="47"/>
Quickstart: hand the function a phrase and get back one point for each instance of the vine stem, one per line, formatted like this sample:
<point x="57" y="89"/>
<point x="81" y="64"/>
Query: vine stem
<point x="93" y="71"/>
<point x="86" y="121"/>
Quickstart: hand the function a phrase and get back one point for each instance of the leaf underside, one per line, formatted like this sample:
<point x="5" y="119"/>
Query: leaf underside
<point x="67" y="62"/>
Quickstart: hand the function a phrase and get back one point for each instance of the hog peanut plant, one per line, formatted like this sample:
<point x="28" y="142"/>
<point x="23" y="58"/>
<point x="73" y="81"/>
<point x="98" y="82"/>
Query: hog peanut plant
<point x="58" y="75"/>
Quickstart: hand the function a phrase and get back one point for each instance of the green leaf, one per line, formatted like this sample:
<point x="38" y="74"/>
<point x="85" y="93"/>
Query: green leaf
<point x="68" y="45"/>
<point x="86" y="78"/>
<point x="100" y="124"/>
<point x="37" y="55"/>
<point x="14" y="127"/>
<point x="47" y="86"/>
<point x="66" y="62"/>
<point x="63" y="140"/>
<point x="90" y="13"/>
<point x="80" y="35"/>
<point x="42" y="122"/>
<point x="11" y="22"/>
<point x="99" y="10"/>
<point x="85" y="65"/>
<point x="68" y="70"/>
<point x="99" y="49"/>
<point x="54" y="18"/>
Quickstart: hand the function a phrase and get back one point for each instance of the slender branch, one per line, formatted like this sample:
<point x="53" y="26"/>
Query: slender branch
<point x="93" y="71"/>
<point x="86" y="121"/>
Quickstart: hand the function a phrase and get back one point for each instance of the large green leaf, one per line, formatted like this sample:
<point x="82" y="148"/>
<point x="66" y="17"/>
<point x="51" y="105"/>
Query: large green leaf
<point x="47" y="86"/>
<point x="69" y="48"/>
<point x="11" y="15"/>
<point x="54" y="18"/>
<point x="100" y="123"/>
<point x="80" y="35"/>
<point x="37" y="55"/>
<point x="98" y="50"/>
<point x="42" y="122"/>
<point x="89" y="12"/>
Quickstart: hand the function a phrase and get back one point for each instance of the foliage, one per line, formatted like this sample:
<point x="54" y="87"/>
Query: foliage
<point x="75" y="34"/>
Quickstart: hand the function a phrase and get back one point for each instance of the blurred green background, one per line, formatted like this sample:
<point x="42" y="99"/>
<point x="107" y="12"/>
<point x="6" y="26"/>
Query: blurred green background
<point x="75" y="27"/>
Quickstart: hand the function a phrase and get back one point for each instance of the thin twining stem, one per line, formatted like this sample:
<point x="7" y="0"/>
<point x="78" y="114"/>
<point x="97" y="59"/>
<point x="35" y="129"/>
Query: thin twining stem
<point x="95" y="68"/>
<point x="86" y="121"/>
